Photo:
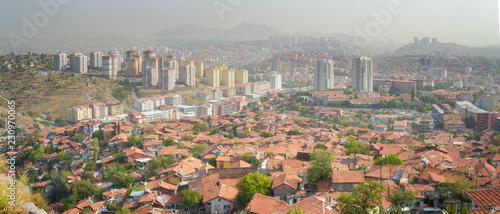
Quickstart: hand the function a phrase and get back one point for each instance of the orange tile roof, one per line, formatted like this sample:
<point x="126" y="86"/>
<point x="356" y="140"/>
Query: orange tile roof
<point x="220" y="191"/>
<point x="485" y="198"/>
<point x="348" y="177"/>
<point x="265" y="204"/>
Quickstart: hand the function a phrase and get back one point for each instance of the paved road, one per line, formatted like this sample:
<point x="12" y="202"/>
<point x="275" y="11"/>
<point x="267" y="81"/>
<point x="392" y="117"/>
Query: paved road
<point x="133" y="90"/>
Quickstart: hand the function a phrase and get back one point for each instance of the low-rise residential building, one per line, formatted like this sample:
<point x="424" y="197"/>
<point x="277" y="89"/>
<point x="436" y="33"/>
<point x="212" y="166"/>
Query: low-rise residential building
<point x="172" y="99"/>
<point x="90" y="127"/>
<point x="79" y="113"/>
<point x="454" y="125"/>
<point x="157" y="100"/>
<point x="400" y="126"/>
<point x="171" y="112"/>
<point x="99" y="110"/>
<point x="228" y="92"/>
<point x="114" y="108"/>
<point x="143" y="104"/>
<point x="153" y="115"/>
<point x="205" y="109"/>
<point x="210" y="94"/>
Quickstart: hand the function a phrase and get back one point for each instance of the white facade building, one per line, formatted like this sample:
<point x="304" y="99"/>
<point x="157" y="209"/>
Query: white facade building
<point x="172" y="99"/>
<point x="188" y="75"/>
<point x="166" y="78"/>
<point x="96" y="59"/>
<point x="324" y="75"/>
<point x="60" y="61"/>
<point x="110" y="66"/>
<point x="80" y="63"/>
<point x="143" y="104"/>
<point x="362" y="74"/>
<point x="204" y="109"/>
<point x="150" y="76"/>
<point x="276" y="82"/>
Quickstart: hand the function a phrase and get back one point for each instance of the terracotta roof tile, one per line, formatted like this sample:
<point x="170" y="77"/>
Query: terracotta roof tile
<point x="485" y="198"/>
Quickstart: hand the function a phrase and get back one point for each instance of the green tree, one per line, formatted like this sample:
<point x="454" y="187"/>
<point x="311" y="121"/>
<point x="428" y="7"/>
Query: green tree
<point x="319" y="146"/>
<point x="250" y="184"/>
<point x="231" y="135"/>
<point x="60" y="122"/>
<point x="135" y="140"/>
<point x="363" y="195"/>
<point x="181" y="145"/>
<point x="122" y="210"/>
<point x="213" y="161"/>
<point x="403" y="198"/>
<point x="247" y="157"/>
<point x="69" y="202"/>
<point x="201" y="127"/>
<point x="49" y="118"/>
<point x="214" y="131"/>
<point x="454" y="189"/>
<point x="190" y="199"/>
<point x="354" y="147"/>
<point x="470" y="123"/>
<point x="198" y="150"/>
<point x="78" y="138"/>
<point x="389" y="159"/>
<point x="120" y="157"/>
<point x="83" y="189"/>
<point x="168" y="142"/>
<point x="321" y="166"/>
<point x="37" y="155"/>
<point x="158" y="164"/>
<point x="96" y="148"/>
<point x="121" y="179"/>
<point x="266" y="134"/>
<point x="90" y="166"/>
<point x="111" y="206"/>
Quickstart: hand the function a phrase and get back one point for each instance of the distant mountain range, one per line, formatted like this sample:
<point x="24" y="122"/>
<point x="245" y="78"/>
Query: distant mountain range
<point x="242" y="32"/>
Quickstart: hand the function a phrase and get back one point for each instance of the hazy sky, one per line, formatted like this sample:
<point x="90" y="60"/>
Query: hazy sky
<point x="469" y="22"/>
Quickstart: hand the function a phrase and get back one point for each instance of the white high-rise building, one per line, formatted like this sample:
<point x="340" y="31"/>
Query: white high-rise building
<point x="118" y="58"/>
<point x="276" y="82"/>
<point x="80" y="63"/>
<point x="174" y="64"/>
<point x="60" y="61"/>
<point x="110" y="66"/>
<point x="324" y="75"/>
<point x="188" y="75"/>
<point x="362" y="74"/>
<point x="166" y="79"/>
<point x="150" y="76"/>
<point x="72" y="59"/>
<point x="96" y="59"/>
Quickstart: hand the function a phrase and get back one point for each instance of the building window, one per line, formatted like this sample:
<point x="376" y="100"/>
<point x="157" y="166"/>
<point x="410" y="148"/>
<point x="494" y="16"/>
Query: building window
<point x="227" y="207"/>
<point x="341" y="187"/>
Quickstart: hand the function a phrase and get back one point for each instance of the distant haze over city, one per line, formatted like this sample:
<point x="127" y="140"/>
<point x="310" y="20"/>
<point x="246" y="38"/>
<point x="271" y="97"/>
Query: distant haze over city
<point x="465" y="22"/>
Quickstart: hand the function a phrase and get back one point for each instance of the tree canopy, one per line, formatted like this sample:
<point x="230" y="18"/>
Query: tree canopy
<point x="389" y="159"/>
<point x="249" y="158"/>
<point x="250" y="184"/>
<point x="402" y="198"/>
<point x="83" y="189"/>
<point x="189" y="199"/>
<point x="321" y="167"/>
<point x="354" y="147"/>
<point x="363" y="195"/>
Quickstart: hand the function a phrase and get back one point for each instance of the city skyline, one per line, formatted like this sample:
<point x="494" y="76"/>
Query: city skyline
<point x="92" y="19"/>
